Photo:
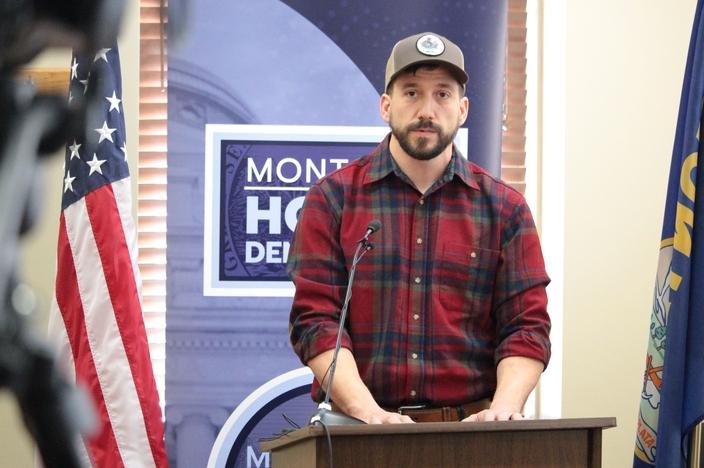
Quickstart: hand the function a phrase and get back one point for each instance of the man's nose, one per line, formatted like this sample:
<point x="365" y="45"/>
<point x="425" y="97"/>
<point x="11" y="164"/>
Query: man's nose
<point x="426" y="109"/>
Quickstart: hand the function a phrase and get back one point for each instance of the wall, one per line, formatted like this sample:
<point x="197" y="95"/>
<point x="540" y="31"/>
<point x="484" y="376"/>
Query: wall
<point x="39" y="247"/>
<point x="624" y="68"/>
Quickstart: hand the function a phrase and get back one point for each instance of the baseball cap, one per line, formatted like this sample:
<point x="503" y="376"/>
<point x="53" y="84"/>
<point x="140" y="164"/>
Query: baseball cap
<point x="425" y="47"/>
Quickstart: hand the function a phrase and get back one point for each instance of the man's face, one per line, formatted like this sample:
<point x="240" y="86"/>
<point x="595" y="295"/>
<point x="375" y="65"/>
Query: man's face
<point x="424" y="110"/>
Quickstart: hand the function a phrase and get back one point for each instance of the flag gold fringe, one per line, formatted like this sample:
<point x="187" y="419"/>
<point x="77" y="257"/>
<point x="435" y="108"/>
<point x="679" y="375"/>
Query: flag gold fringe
<point x="695" y="449"/>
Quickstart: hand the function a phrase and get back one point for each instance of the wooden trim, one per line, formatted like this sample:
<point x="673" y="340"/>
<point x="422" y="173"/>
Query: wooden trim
<point x="513" y="143"/>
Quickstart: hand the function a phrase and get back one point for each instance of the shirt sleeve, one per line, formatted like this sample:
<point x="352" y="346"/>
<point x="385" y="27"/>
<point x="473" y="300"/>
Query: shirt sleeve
<point x="316" y="265"/>
<point x="520" y="300"/>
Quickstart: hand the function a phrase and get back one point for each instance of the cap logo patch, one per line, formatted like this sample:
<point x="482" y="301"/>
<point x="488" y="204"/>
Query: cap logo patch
<point x="430" y="44"/>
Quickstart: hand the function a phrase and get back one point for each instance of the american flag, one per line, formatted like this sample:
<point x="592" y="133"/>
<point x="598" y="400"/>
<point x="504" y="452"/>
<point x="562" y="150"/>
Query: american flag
<point x="96" y="318"/>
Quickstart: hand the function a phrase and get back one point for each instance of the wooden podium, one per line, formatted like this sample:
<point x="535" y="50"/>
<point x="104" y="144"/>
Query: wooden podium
<point x="559" y="443"/>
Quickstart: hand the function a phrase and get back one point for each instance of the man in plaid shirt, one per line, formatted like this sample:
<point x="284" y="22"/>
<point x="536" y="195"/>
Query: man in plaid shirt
<point x="448" y="317"/>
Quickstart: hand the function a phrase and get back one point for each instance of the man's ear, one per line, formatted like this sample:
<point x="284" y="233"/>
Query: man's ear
<point x="385" y="107"/>
<point x="464" y="110"/>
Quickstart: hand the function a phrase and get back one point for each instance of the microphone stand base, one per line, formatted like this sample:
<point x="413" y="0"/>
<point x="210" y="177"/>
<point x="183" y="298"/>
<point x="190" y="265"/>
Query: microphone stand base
<point x="327" y="417"/>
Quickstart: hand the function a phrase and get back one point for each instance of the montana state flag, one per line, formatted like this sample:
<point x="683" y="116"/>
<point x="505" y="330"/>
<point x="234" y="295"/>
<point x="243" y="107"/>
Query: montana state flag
<point x="672" y="399"/>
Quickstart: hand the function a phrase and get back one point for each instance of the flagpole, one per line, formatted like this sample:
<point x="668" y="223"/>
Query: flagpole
<point x="695" y="447"/>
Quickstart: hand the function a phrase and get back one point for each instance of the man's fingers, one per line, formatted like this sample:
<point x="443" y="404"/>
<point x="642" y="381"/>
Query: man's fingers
<point x="491" y="415"/>
<point x="394" y="418"/>
<point x="478" y="417"/>
<point x="386" y="417"/>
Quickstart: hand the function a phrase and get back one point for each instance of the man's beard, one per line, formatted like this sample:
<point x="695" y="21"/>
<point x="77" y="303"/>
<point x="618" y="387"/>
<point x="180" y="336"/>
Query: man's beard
<point x="422" y="150"/>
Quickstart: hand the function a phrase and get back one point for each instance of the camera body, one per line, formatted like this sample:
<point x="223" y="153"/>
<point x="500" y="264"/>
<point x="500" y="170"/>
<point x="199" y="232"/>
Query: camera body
<point x="28" y="27"/>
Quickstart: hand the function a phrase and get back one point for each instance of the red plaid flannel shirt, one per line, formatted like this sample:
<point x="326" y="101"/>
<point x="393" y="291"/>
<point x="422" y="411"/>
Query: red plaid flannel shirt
<point x="455" y="283"/>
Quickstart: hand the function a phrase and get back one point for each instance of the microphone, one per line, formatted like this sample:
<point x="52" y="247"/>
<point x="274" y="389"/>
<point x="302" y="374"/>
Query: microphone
<point x="373" y="226"/>
<point x="325" y="415"/>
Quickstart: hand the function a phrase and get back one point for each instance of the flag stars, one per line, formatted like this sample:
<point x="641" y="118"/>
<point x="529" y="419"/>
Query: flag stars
<point x="105" y="132"/>
<point x="74" y="150"/>
<point x="74" y="69"/>
<point x="124" y="149"/>
<point x="102" y="54"/>
<point x="95" y="164"/>
<point x="68" y="182"/>
<point x="114" y="102"/>
<point x="85" y="85"/>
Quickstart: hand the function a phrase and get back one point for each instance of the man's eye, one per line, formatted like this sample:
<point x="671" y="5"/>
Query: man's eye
<point x="444" y="94"/>
<point x="411" y="93"/>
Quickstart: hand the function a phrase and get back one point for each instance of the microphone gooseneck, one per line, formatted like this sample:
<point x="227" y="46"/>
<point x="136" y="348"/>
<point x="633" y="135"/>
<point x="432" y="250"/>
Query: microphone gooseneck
<point x="325" y="415"/>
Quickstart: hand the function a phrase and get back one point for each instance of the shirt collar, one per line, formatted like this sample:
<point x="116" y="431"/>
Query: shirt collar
<point x="383" y="164"/>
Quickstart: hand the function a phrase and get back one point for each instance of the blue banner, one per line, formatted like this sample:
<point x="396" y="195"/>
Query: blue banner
<point x="672" y="399"/>
<point x="265" y="97"/>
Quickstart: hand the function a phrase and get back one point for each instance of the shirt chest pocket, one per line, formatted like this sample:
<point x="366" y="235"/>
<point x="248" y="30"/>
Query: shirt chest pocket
<point x="463" y="278"/>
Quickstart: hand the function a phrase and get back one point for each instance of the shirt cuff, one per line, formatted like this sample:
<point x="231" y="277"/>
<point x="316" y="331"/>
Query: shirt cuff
<point x="524" y="344"/>
<point x="318" y="340"/>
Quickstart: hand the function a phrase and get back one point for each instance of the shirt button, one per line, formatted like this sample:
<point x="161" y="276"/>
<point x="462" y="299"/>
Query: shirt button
<point x="421" y="201"/>
<point x="417" y="280"/>
<point x="414" y="355"/>
<point x="413" y="393"/>
<point x="473" y="254"/>
<point x="419" y="241"/>
<point x="416" y="316"/>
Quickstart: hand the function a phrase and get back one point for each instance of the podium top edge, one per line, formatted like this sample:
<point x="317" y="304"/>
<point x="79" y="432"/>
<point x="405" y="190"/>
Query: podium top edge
<point x="447" y="427"/>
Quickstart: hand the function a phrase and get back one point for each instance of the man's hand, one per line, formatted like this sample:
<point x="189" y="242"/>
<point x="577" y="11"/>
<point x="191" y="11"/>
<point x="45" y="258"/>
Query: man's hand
<point x="379" y="416"/>
<point x="349" y="393"/>
<point x="492" y="414"/>
<point x="516" y="377"/>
